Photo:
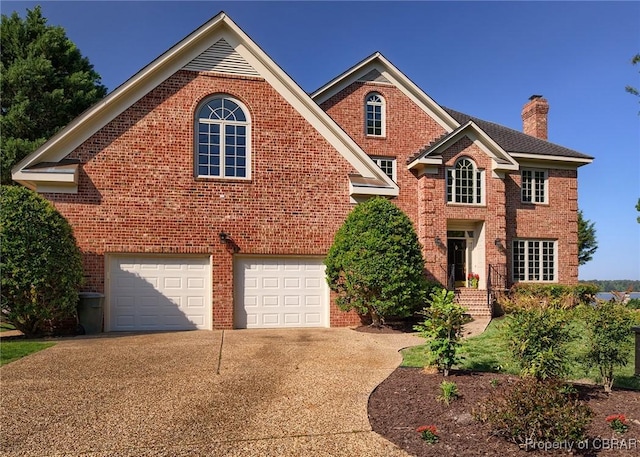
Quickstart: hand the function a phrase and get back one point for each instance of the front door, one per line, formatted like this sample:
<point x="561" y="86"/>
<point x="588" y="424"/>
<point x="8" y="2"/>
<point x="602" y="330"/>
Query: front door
<point x="457" y="260"/>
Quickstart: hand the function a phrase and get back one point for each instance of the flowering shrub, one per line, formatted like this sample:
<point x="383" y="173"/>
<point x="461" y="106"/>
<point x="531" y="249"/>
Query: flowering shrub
<point x="473" y="279"/>
<point x="618" y="422"/>
<point x="429" y="433"/>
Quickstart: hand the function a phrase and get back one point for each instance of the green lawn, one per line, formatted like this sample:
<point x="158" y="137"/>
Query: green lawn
<point x="488" y="352"/>
<point x="14" y="350"/>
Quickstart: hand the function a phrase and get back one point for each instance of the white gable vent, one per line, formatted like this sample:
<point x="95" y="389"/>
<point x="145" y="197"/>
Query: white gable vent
<point x="374" y="76"/>
<point x="222" y="58"/>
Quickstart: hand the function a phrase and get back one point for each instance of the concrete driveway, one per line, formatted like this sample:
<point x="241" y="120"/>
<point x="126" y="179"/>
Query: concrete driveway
<point x="238" y="392"/>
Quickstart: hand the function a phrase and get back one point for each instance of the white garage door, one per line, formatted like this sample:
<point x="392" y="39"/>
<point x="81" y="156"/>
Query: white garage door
<point x="158" y="293"/>
<point x="280" y="292"/>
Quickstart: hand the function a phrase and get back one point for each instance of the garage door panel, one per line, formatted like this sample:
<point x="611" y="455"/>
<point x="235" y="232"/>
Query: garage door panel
<point x="312" y="318"/>
<point x="292" y="319"/>
<point x="195" y="302"/>
<point x="195" y="283"/>
<point x="271" y="320"/>
<point x="159" y="293"/>
<point x="172" y="283"/>
<point x="270" y="301"/>
<point x="312" y="300"/>
<point x="280" y="292"/>
<point x="270" y="283"/>
<point x="291" y="283"/>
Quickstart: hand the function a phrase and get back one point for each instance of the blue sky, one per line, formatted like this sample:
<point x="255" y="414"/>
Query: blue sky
<point x="482" y="58"/>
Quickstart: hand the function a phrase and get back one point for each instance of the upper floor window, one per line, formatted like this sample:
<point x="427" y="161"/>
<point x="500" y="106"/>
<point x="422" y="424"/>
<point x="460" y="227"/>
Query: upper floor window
<point x="375" y="115"/>
<point x="222" y="148"/>
<point x="534" y="186"/>
<point x="534" y="260"/>
<point x="388" y="165"/>
<point x="465" y="183"/>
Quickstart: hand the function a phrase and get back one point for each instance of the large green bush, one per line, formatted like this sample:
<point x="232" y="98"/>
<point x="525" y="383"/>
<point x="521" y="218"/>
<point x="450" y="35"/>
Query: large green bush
<point x="375" y="264"/>
<point x="534" y="412"/>
<point x="442" y="327"/>
<point x="40" y="262"/>
<point x="610" y="338"/>
<point x="537" y="340"/>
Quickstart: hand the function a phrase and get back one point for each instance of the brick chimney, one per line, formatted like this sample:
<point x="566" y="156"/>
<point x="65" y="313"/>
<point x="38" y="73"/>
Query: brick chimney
<point x="534" y="117"/>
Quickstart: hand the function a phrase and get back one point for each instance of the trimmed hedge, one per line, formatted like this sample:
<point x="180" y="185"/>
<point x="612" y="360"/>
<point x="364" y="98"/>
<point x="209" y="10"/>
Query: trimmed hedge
<point x="40" y="262"/>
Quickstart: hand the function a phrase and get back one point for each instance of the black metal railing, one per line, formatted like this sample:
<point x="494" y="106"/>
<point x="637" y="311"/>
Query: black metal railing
<point x="450" y="274"/>
<point x="496" y="280"/>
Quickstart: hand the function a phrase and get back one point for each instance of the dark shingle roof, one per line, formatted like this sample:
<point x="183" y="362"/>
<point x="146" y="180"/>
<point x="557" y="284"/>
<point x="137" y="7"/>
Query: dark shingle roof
<point x="514" y="141"/>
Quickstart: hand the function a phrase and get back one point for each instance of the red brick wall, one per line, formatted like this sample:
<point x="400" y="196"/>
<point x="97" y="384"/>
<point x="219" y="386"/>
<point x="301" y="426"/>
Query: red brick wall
<point x="408" y="129"/>
<point x="423" y="199"/>
<point x="138" y="193"/>
<point x="437" y="213"/>
<point x="137" y="190"/>
<point x="556" y="220"/>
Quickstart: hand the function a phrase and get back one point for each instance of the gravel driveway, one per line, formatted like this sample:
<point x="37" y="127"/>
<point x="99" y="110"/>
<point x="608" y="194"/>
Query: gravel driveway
<point x="237" y="392"/>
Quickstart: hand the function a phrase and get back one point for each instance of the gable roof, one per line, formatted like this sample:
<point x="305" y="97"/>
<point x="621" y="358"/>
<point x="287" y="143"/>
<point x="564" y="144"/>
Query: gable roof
<point x="502" y="144"/>
<point x="218" y="45"/>
<point x="510" y="143"/>
<point x="377" y="67"/>
<point x="430" y="157"/>
<point x="519" y="144"/>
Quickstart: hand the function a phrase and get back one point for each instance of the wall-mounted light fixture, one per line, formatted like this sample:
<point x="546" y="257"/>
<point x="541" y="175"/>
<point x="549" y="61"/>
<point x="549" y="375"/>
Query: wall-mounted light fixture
<point x="230" y="244"/>
<point x="499" y="245"/>
<point x="438" y="242"/>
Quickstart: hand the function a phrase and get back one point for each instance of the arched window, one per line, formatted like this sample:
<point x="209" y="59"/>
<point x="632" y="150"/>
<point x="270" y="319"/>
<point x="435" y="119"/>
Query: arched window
<point x="375" y="115"/>
<point x="465" y="183"/>
<point x="223" y="133"/>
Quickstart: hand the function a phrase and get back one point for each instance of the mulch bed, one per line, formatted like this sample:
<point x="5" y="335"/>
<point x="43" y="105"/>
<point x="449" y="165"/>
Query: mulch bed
<point x="407" y="400"/>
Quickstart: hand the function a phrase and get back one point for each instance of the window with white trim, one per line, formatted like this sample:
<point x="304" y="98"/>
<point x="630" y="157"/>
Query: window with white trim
<point x="388" y="165"/>
<point x="375" y="115"/>
<point x="465" y="183"/>
<point x="534" y="260"/>
<point x="534" y="186"/>
<point x="222" y="143"/>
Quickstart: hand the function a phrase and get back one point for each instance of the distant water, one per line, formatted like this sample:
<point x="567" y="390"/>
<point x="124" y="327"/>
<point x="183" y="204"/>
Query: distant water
<point x="609" y="295"/>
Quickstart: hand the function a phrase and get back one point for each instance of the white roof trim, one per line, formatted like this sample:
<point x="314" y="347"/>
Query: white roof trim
<point x="578" y="161"/>
<point x="480" y="138"/>
<point x="369" y="190"/>
<point x="221" y="26"/>
<point x="378" y="62"/>
<point x="50" y="179"/>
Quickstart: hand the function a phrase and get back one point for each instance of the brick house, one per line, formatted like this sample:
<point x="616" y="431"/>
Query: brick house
<point x="206" y="190"/>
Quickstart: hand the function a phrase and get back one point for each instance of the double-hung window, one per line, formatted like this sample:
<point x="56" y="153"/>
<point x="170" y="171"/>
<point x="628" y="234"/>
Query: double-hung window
<point x="465" y="183"/>
<point x="375" y="115"/>
<point x="534" y="260"/>
<point x="222" y="145"/>
<point x="534" y="186"/>
<point x="388" y="165"/>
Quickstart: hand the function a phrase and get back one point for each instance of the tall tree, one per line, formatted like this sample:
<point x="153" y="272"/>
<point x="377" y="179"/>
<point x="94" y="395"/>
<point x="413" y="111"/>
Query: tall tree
<point x="587" y="242"/>
<point x="45" y="82"/>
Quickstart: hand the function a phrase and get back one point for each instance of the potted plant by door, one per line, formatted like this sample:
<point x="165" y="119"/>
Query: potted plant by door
<point x="472" y="280"/>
